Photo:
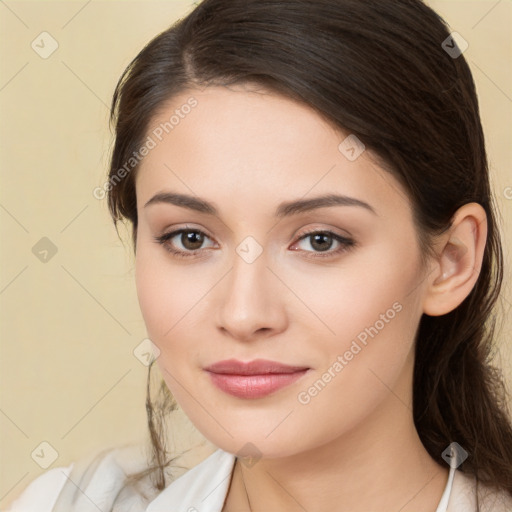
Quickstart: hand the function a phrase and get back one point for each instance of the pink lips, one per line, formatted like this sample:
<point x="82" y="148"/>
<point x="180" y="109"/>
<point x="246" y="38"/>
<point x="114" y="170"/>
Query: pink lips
<point x="254" y="379"/>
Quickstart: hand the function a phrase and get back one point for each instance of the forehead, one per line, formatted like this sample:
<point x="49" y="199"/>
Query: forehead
<point x="239" y="122"/>
<point x="253" y="145"/>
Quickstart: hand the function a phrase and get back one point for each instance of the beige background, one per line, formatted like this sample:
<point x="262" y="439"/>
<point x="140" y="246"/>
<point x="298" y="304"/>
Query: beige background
<point x="69" y="326"/>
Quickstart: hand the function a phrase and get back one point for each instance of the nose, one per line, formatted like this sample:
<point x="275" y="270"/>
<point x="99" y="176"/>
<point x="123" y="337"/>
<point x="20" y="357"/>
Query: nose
<point x="251" y="301"/>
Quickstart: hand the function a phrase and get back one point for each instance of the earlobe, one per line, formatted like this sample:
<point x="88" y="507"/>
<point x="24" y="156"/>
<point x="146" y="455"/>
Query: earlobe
<point x="458" y="264"/>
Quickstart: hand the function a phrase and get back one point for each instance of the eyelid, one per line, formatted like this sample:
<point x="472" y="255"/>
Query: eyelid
<point x="178" y="230"/>
<point x="320" y="229"/>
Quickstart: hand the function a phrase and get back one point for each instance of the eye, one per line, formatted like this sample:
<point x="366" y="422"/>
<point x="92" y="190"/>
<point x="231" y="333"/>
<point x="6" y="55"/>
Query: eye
<point x="323" y="241"/>
<point x="191" y="241"/>
<point x="185" y="243"/>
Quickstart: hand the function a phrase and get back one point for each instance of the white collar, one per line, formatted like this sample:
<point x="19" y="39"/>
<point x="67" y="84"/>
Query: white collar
<point x="445" y="498"/>
<point x="204" y="487"/>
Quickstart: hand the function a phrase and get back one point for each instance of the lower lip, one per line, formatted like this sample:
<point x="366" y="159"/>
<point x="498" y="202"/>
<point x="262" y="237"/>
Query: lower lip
<point x="254" y="386"/>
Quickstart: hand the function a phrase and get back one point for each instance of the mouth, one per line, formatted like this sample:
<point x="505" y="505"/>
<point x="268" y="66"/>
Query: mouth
<point x="254" y="379"/>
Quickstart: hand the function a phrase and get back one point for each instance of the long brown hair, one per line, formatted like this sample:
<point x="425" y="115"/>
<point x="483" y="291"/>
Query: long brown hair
<point x="380" y="70"/>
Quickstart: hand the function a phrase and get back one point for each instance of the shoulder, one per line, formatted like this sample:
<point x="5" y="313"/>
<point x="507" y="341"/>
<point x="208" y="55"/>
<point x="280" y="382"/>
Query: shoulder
<point x="96" y="479"/>
<point x="466" y="494"/>
<point x="40" y="495"/>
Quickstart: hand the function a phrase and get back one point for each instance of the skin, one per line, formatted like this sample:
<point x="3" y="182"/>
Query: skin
<point x="246" y="151"/>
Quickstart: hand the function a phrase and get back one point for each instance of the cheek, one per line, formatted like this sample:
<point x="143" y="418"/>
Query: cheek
<point x="174" y="300"/>
<point x="370" y="309"/>
<point x="152" y="296"/>
<point x="165" y="292"/>
<point x="364" y="290"/>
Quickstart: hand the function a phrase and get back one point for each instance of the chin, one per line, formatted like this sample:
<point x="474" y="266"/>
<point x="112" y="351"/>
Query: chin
<point x="253" y="442"/>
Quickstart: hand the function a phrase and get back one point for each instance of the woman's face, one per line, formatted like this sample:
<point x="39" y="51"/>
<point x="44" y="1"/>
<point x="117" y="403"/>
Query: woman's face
<point x="341" y="307"/>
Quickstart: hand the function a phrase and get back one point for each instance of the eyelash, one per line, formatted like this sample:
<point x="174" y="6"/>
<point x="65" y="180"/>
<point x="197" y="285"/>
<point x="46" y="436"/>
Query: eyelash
<point x="346" y="244"/>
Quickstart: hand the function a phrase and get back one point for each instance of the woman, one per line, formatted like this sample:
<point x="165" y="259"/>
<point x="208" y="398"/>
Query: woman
<point x="317" y="261"/>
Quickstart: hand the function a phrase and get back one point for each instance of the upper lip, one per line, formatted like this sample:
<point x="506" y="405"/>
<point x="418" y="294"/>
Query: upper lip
<point x="254" y="367"/>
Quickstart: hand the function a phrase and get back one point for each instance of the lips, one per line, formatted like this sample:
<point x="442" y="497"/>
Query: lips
<point x="254" y="379"/>
<point x="255" y="367"/>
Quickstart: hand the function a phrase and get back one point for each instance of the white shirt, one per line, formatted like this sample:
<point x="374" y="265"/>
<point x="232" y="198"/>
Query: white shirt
<point x="200" y="489"/>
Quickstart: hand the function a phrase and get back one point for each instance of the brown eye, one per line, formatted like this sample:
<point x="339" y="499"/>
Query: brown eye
<point x="183" y="242"/>
<point x="192" y="240"/>
<point x="321" y="243"/>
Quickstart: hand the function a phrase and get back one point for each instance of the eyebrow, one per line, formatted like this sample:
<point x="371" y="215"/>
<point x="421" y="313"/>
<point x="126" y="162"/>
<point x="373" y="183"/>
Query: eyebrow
<point x="285" y="209"/>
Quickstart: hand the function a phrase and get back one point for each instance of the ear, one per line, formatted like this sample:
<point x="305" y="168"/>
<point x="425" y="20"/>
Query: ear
<point x="457" y="266"/>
